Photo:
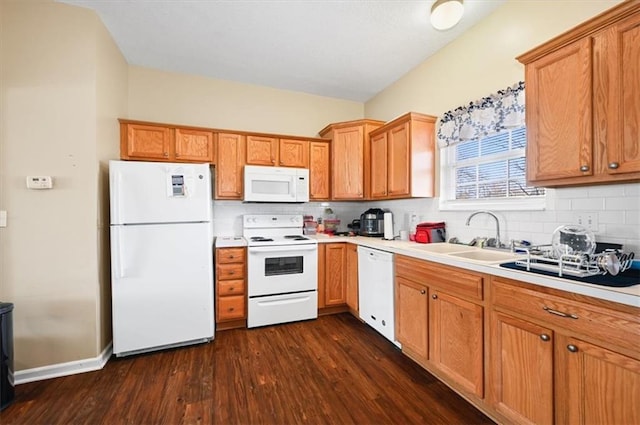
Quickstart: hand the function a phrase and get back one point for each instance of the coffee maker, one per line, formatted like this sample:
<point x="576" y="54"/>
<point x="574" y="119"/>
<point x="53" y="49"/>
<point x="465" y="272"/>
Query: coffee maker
<point x="372" y="222"/>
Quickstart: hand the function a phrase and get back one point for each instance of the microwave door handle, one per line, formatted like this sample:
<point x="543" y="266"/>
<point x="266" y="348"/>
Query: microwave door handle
<point x="258" y="249"/>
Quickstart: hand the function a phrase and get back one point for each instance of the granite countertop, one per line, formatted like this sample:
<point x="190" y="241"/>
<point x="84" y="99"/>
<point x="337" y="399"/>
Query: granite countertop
<point x="626" y="295"/>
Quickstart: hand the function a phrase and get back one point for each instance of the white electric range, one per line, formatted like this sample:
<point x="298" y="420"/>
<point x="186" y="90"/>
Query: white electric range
<point x="282" y="269"/>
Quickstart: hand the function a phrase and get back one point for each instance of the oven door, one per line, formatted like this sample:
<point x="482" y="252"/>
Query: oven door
<point x="282" y="269"/>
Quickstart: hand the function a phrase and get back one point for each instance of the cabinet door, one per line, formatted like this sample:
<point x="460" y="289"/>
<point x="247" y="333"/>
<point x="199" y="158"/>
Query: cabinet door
<point x="348" y="163"/>
<point x="294" y="153"/>
<point x="147" y="142"/>
<point x="262" y="150"/>
<point x="319" y="170"/>
<point x="559" y="114"/>
<point x="622" y="59"/>
<point x="194" y="145"/>
<point x="322" y="265"/>
<point x="399" y="162"/>
<point x="229" y="165"/>
<point x="379" y="166"/>
<point x="335" y="274"/>
<point x="595" y="385"/>
<point x="412" y="306"/>
<point x="456" y="340"/>
<point x="352" y="276"/>
<point x="522" y="364"/>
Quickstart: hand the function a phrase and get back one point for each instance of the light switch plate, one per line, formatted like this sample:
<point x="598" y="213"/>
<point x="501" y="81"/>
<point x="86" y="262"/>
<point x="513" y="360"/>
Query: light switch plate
<point x="3" y="218"/>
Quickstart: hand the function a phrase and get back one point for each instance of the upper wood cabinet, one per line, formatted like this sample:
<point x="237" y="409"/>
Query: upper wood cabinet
<point x="194" y="145"/>
<point x="403" y="158"/>
<point x="230" y="165"/>
<point x="263" y="150"/>
<point x="293" y="153"/>
<point x="319" y="177"/>
<point x="158" y="142"/>
<point x="350" y="158"/>
<point x="583" y="102"/>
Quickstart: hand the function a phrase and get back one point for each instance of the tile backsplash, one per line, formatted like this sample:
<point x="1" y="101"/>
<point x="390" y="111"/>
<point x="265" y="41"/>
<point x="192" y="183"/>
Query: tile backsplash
<point x="614" y="210"/>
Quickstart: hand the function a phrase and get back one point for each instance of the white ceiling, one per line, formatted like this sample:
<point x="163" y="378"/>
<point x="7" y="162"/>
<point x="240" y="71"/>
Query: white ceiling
<point x="347" y="49"/>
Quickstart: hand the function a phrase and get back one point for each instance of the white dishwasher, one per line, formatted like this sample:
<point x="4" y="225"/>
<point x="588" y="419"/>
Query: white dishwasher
<point x="375" y="290"/>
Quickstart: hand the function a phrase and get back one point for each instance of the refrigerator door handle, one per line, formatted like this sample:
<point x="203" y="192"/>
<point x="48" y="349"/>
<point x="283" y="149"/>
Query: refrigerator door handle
<point x="116" y="250"/>
<point x="116" y="199"/>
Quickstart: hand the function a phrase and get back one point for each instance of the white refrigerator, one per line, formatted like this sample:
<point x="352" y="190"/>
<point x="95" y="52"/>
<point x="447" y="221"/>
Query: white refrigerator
<point x="161" y="255"/>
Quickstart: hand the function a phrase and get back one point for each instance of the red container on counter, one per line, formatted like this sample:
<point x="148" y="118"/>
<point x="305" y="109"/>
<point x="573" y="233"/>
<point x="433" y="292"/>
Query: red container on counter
<point x="430" y="232"/>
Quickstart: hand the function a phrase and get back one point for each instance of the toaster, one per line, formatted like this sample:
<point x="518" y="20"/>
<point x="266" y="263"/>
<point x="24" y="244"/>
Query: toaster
<point x="431" y="232"/>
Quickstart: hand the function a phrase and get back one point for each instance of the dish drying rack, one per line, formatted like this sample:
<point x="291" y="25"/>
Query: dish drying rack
<point x="541" y="257"/>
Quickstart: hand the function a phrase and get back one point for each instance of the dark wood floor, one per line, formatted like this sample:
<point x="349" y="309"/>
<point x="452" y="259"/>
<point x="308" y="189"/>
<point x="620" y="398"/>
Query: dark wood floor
<point x="334" y="370"/>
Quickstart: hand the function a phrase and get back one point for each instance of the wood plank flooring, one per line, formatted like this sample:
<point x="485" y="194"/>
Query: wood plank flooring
<point x="333" y="370"/>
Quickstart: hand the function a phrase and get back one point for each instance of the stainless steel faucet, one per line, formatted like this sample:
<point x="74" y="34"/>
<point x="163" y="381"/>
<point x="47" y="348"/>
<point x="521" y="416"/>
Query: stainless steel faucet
<point x="498" y="243"/>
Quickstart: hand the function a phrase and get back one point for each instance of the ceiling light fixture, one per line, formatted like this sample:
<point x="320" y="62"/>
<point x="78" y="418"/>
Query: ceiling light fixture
<point x="446" y="14"/>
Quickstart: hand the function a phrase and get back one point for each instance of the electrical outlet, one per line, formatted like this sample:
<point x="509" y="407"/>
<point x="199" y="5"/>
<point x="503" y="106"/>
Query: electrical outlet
<point x="588" y="220"/>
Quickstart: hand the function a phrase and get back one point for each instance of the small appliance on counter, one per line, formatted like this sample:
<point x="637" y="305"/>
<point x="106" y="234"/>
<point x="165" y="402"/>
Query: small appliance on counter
<point x="372" y="222"/>
<point x="431" y="232"/>
<point x="355" y="226"/>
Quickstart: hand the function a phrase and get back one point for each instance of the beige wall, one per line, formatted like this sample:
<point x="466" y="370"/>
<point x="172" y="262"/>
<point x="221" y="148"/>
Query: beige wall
<point x="56" y="117"/>
<point x="482" y="60"/>
<point x="185" y="99"/>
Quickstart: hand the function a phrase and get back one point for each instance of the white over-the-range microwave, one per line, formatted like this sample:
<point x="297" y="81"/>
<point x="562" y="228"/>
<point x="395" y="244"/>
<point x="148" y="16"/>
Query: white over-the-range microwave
<point x="275" y="184"/>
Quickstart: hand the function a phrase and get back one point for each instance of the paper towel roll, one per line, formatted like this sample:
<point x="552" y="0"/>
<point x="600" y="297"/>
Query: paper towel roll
<point x="388" y="226"/>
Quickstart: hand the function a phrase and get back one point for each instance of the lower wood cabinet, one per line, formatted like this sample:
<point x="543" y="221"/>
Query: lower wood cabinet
<point x="231" y="286"/>
<point x="522" y="366"/>
<point x="412" y="306"/>
<point x="440" y="321"/>
<point x="562" y="358"/>
<point x="352" y="277"/>
<point x="333" y="277"/>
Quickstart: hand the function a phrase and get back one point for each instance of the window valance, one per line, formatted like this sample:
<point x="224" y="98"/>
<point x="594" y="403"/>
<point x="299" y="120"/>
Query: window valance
<point x="486" y="116"/>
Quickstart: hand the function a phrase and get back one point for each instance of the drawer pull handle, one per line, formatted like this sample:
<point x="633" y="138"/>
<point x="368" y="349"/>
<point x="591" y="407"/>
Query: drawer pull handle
<point x="422" y="291"/>
<point x="584" y="168"/>
<point x="572" y="348"/>
<point x="231" y="308"/>
<point x="559" y="313"/>
<point x="434" y="296"/>
<point x="545" y="337"/>
<point x="614" y="165"/>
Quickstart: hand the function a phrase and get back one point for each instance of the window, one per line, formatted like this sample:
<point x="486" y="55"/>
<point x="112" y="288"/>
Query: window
<point x="489" y="172"/>
<point x="482" y="156"/>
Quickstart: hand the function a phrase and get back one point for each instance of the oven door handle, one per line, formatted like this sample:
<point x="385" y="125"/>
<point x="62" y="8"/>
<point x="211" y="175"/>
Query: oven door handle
<point x="282" y="248"/>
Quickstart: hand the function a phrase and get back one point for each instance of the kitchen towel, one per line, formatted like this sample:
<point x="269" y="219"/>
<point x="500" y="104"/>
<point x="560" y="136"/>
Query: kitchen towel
<point x="388" y="226"/>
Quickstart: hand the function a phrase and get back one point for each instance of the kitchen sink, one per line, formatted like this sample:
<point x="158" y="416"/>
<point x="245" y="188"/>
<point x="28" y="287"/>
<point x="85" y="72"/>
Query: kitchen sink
<point x="485" y="255"/>
<point x="443" y="248"/>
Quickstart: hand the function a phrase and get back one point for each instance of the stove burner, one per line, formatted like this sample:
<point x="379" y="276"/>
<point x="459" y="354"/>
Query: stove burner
<point x="260" y="239"/>
<point x="296" y="237"/>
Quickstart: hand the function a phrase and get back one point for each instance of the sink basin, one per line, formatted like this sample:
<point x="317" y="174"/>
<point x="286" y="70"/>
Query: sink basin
<point x="443" y="248"/>
<point x="485" y="255"/>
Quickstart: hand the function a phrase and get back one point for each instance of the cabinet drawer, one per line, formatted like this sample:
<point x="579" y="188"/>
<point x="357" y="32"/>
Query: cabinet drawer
<point x="230" y="287"/>
<point x="230" y="271"/>
<point x="609" y="325"/>
<point x="453" y="279"/>
<point x="229" y="255"/>
<point x="230" y="308"/>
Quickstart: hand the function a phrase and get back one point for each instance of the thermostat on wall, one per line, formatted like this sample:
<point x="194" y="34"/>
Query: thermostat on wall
<point x="39" y="182"/>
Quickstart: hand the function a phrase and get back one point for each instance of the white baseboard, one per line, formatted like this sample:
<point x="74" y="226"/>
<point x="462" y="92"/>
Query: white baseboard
<point x="64" y="369"/>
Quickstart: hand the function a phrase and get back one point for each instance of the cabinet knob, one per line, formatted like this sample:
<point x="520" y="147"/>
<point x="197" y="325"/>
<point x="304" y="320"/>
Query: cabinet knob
<point x="572" y="348"/>
<point x="177" y="155"/>
<point x="232" y="272"/>
<point x="422" y="291"/>
<point x="231" y="308"/>
<point x="584" y="168"/>
<point x="232" y="289"/>
<point x="166" y="154"/>
<point x="434" y="296"/>
<point x="613" y="165"/>
<point x="545" y="337"/>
